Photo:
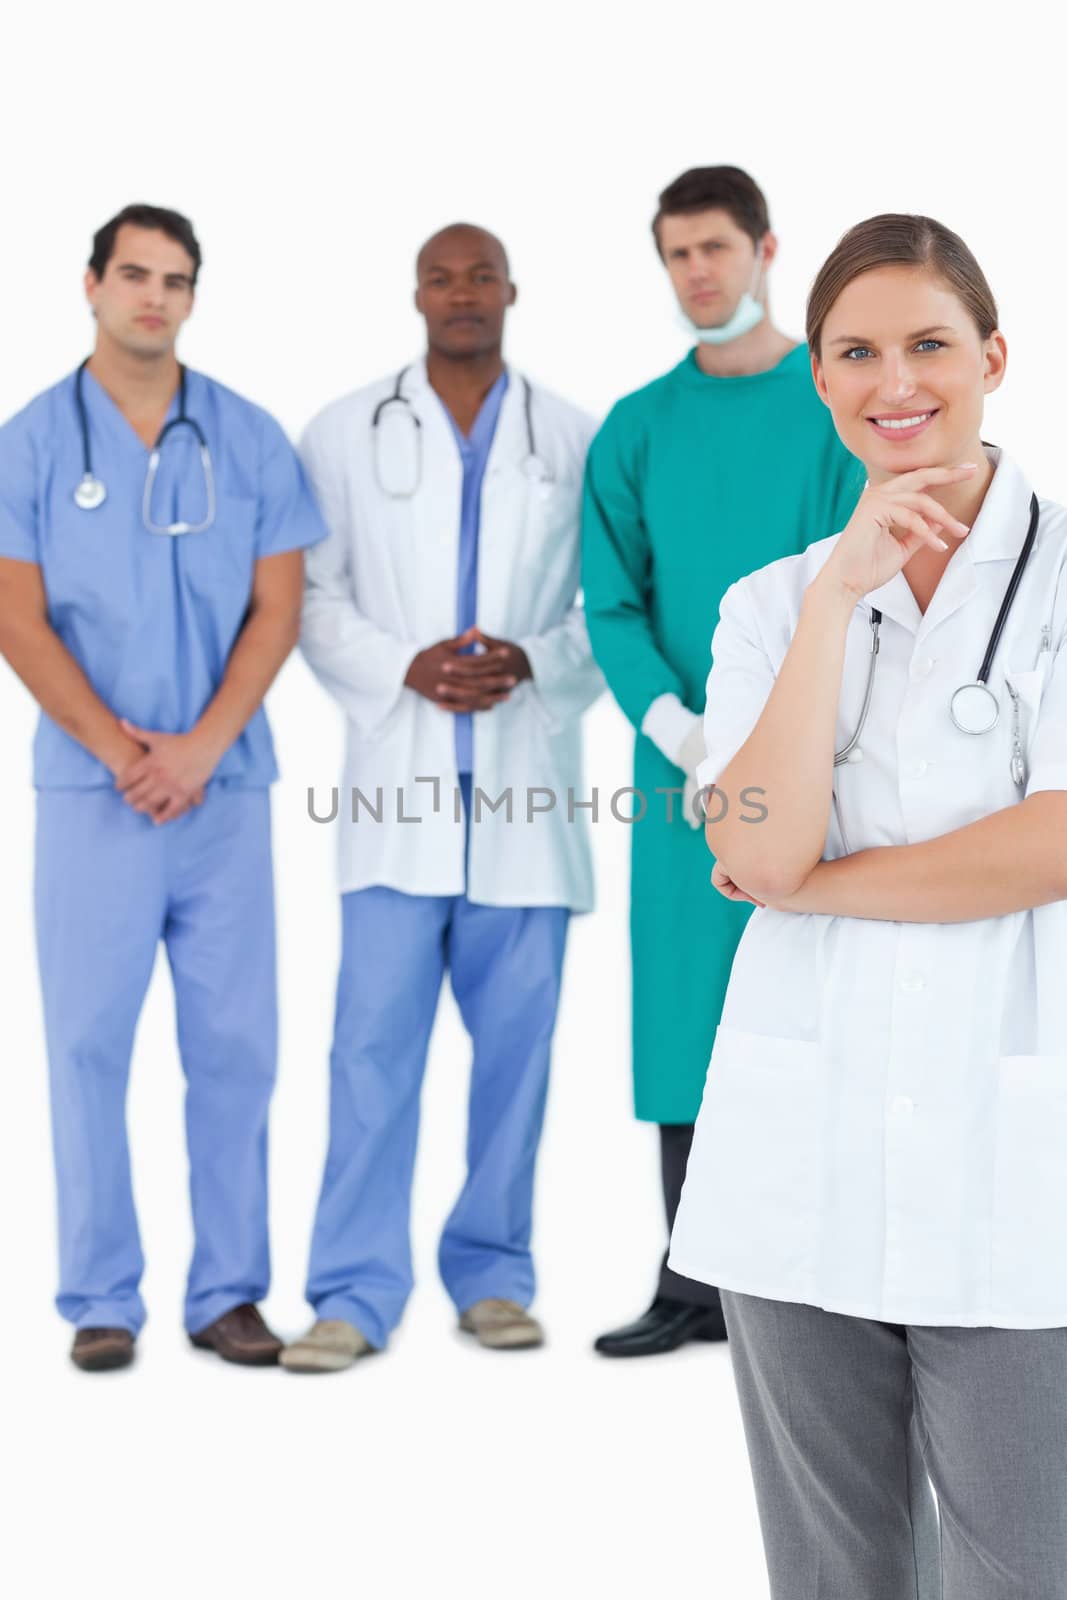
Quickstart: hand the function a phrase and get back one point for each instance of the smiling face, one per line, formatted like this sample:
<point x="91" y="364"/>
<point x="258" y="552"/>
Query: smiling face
<point x="145" y="293"/>
<point x="711" y="262"/>
<point x="905" y="371"/>
<point x="463" y="292"/>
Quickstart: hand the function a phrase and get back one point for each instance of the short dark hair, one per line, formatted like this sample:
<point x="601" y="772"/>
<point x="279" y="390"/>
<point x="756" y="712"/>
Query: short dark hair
<point x="900" y="239"/>
<point x="716" y="189"/>
<point x="172" y="223"/>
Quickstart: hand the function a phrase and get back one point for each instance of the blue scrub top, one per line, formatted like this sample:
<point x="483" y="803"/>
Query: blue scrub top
<point x="151" y="619"/>
<point x="474" y="453"/>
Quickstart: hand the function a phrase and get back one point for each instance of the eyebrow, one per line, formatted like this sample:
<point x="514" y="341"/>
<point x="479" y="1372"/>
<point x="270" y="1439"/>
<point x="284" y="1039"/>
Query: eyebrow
<point x="473" y="266"/>
<point x="923" y="333"/>
<point x="697" y="244"/>
<point x="135" y="266"/>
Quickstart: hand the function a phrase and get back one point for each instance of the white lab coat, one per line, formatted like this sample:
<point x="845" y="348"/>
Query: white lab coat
<point x="884" y="1124"/>
<point x="383" y="587"/>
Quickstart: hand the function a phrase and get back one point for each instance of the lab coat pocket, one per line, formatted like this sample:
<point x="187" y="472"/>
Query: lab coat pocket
<point x="1029" y="1242"/>
<point x="1029" y="686"/>
<point x="551" y="533"/>
<point x="759" y="1158"/>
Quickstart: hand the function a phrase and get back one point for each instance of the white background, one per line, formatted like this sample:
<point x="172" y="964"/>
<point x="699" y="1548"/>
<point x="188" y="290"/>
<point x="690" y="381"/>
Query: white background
<point x="315" y="148"/>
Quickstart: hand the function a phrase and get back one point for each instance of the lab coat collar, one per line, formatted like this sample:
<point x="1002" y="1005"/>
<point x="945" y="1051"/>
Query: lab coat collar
<point x="417" y="380"/>
<point x="509" y="439"/>
<point x="996" y="535"/>
<point x="1000" y="526"/>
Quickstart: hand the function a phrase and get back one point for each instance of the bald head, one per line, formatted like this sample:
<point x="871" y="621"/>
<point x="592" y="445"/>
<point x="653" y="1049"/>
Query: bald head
<point x="464" y="289"/>
<point x="465" y="237"/>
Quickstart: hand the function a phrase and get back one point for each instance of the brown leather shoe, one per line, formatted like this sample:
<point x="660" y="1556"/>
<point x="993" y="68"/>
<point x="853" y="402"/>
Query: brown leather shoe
<point x="240" y="1335"/>
<point x="102" y="1349"/>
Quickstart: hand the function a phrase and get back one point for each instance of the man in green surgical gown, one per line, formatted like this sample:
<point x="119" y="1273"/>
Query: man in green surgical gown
<point x="727" y="462"/>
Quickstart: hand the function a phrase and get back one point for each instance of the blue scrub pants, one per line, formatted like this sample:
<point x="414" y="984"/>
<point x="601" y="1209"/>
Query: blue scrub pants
<point x="505" y="965"/>
<point x="109" y="886"/>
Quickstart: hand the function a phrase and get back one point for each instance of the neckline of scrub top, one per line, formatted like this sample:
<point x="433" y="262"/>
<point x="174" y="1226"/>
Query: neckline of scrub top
<point x="484" y="425"/>
<point x="108" y="413"/>
<point x="688" y="369"/>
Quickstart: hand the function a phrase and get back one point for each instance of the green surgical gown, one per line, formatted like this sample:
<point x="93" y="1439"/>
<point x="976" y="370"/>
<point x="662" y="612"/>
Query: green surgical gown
<point x="692" y="483"/>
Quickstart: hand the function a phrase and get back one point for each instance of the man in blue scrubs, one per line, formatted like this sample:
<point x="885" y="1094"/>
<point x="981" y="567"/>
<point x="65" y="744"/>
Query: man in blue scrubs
<point x="149" y="627"/>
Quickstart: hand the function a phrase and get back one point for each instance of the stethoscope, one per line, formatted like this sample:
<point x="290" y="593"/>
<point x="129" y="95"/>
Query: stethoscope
<point x="91" y="491"/>
<point x="974" y="707"/>
<point x="535" y="468"/>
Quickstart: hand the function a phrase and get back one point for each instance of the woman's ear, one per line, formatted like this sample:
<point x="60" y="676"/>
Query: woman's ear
<point x="996" y="360"/>
<point x="818" y="380"/>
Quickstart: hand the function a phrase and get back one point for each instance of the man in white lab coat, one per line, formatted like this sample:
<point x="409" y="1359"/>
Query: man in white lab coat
<point x="442" y="615"/>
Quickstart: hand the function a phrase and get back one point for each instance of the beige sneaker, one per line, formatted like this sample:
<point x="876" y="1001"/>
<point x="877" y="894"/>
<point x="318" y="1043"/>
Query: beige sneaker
<point x="328" y="1346"/>
<point x="502" y="1325"/>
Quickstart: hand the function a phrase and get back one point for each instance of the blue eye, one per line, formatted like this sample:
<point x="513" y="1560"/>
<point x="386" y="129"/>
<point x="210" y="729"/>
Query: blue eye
<point x="856" y="350"/>
<point x="936" y="344"/>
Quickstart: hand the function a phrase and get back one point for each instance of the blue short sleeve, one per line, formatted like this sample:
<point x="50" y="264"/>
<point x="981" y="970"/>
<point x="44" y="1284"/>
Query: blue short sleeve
<point x="288" y="517"/>
<point x="18" y="491"/>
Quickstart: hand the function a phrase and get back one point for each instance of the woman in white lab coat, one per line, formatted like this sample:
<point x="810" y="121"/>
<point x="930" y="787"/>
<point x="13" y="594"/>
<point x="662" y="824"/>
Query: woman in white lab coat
<point x="878" y="1178"/>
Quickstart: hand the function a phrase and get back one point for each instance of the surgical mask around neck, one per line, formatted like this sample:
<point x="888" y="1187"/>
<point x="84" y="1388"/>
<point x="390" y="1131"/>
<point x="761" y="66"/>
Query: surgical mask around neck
<point x="748" y="314"/>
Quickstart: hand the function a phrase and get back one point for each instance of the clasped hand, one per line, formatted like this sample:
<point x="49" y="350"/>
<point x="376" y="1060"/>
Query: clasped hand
<point x="168" y="777"/>
<point x="475" y="682"/>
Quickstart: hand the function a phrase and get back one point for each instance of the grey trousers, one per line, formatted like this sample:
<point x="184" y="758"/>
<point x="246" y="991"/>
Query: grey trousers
<point x="848" y="1422"/>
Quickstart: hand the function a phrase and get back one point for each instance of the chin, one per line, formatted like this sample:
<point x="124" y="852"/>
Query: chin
<point x="457" y="348"/>
<point x="140" y="344"/>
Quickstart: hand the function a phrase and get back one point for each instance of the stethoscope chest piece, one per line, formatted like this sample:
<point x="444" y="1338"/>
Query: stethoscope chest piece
<point x="90" y="493"/>
<point x="974" y="708"/>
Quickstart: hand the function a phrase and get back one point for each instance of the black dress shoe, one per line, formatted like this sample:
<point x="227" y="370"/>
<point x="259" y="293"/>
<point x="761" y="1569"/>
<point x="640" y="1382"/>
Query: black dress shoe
<point x="665" y="1325"/>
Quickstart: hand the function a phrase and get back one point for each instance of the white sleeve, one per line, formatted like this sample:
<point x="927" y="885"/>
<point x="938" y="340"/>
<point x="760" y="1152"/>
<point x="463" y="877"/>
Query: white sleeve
<point x="360" y="664"/>
<point x="739" y="683"/>
<point x="668" y="723"/>
<point x="566" y="679"/>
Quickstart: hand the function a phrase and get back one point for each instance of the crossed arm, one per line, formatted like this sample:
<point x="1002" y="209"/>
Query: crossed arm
<point x="1012" y="860"/>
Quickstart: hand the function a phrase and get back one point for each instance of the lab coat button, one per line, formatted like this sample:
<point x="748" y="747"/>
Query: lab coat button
<point x="921" y="767"/>
<point x="912" y="982"/>
<point x="903" y="1105"/>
